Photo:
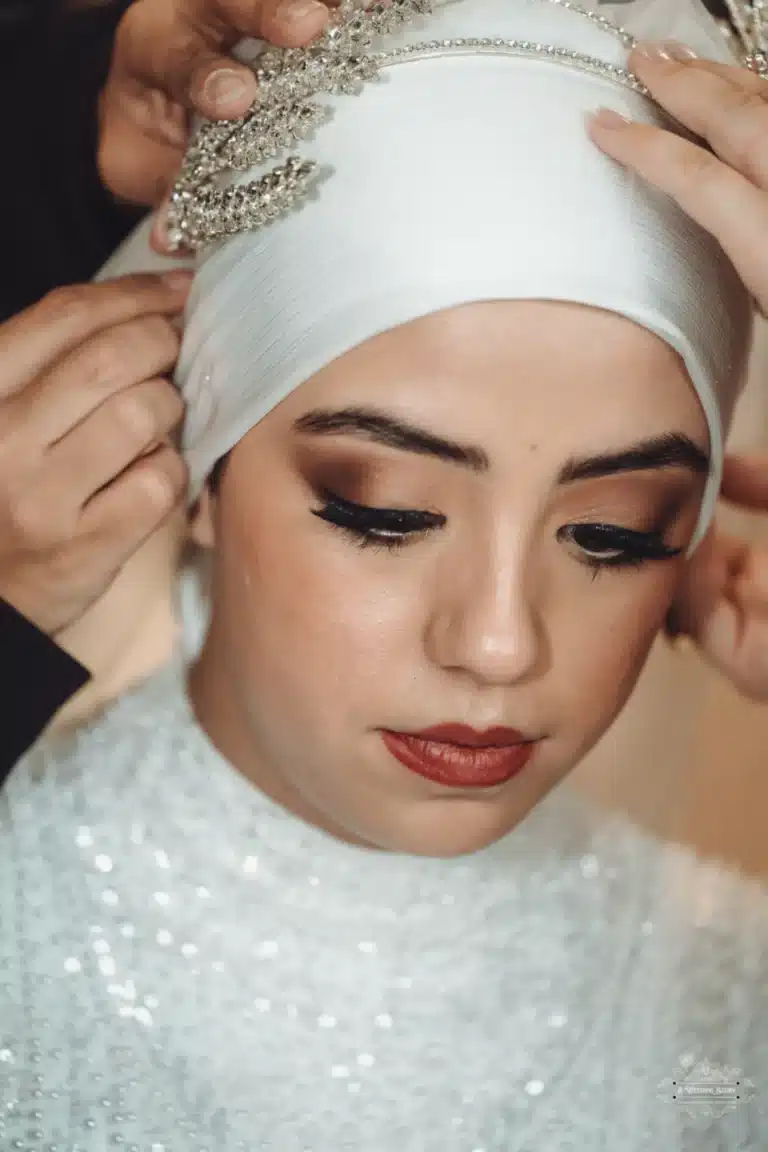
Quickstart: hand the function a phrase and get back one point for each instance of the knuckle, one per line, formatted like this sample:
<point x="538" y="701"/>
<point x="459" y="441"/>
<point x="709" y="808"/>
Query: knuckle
<point x="160" y="399"/>
<point x="161" y="337"/>
<point x="102" y="364"/>
<point x="750" y="135"/>
<point x="134" y="419"/>
<point x="183" y="57"/>
<point x="37" y="526"/>
<point x="169" y="471"/>
<point x="698" y="167"/>
<point x="168" y="404"/>
<point x="70" y="305"/>
<point x="657" y="148"/>
<point x="744" y="100"/>
<point x="131" y="290"/>
<point x="128" y="353"/>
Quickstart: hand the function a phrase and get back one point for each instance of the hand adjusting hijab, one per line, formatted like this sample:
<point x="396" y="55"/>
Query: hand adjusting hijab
<point x="448" y="164"/>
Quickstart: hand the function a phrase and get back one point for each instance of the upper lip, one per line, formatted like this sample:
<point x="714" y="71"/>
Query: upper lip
<point x="464" y="736"/>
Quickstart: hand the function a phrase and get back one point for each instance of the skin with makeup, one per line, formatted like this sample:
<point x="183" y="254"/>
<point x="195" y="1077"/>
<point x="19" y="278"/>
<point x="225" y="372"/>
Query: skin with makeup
<point x="395" y="552"/>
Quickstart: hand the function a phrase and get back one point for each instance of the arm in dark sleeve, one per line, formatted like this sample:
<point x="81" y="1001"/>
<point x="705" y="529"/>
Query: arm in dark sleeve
<point x="36" y="679"/>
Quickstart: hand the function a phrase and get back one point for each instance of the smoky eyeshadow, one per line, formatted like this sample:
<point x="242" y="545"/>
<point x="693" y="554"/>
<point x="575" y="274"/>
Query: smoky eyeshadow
<point x="344" y="473"/>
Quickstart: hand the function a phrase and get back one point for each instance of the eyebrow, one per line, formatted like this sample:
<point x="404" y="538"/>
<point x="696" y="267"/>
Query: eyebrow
<point x="671" y="450"/>
<point x="392" y="432"/>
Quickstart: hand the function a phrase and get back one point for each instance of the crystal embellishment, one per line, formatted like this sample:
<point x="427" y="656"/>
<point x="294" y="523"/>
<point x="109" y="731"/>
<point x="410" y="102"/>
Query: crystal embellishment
<point x="750" y="19"/>
<point x="338" y="62"/>
<point x="203" y="210"/>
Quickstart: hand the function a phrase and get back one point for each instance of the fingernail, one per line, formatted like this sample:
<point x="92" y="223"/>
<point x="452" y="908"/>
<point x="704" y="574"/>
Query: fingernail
<point x="666" y="50"/>
<point x="224" y="88"/>
<point x="295" y="11"/>
<point x="608" y="118"/>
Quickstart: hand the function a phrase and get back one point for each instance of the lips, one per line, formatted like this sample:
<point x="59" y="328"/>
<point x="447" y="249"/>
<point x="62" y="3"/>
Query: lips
<point x="463" y="736"/>
<point x="462" y="757"/>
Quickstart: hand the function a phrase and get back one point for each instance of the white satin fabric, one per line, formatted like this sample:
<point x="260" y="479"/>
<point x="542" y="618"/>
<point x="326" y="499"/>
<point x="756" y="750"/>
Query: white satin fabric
<point x="454" y="180"/>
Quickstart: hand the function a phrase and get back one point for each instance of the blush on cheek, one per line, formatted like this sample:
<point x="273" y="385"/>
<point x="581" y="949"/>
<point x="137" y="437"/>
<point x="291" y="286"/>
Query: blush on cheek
<point x="611" y="655"/>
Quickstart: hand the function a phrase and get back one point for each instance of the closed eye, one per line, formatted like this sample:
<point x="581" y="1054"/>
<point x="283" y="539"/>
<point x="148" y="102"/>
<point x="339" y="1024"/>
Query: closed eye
<point x="602" y="546"/>
<point x="385" y="527"/>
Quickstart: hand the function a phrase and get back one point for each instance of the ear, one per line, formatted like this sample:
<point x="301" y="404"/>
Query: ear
<point x="201" y="519"/>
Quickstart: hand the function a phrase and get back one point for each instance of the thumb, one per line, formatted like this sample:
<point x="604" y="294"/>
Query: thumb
<point x="170" y="58"/>
<point x="182" y="48"/>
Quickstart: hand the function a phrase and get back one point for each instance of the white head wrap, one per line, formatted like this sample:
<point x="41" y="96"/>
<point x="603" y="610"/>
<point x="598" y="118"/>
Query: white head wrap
<point x="457" y="179"/>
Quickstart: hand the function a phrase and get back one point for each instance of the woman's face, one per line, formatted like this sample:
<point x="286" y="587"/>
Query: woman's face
<point x="549" y="462"/>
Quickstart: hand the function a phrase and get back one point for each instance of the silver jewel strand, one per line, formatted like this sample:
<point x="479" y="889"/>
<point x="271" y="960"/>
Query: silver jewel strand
<point x="340" y="61"/>
<point x="750" y="19"/>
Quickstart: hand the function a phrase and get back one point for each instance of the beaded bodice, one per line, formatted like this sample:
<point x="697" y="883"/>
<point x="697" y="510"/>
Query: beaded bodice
<point x="186" y="966"/>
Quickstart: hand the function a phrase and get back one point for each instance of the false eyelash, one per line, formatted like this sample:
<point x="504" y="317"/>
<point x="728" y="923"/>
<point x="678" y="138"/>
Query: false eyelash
<point x="391" y="529"/>
<point x="387" y="528"/>
<point x="639" y="548"/>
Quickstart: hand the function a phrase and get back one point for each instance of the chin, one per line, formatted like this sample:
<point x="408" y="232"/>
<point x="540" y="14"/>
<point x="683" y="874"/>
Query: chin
<point x="449" y="828"/>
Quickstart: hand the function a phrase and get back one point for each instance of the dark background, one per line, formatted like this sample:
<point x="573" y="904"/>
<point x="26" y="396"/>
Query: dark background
<point x="58" y="223"/>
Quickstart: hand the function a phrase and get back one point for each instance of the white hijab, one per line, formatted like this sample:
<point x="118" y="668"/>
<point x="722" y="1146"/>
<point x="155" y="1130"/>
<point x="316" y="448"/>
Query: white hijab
<point x="455" y="179"/>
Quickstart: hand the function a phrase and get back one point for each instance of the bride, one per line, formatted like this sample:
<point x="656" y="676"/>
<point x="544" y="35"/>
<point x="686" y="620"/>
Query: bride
<point x="452" y="434"/>
<point x="681" y="714"/>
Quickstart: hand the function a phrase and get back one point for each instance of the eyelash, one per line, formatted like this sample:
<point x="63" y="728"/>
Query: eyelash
<point x="393" y="528"/>
<point x="388" y="528"/>
<point x="633" y="549"/>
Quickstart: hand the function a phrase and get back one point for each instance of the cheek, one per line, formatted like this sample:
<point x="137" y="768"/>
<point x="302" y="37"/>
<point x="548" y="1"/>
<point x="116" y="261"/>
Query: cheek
<point x="603" y="647"/>
<point x="314" y="618"/>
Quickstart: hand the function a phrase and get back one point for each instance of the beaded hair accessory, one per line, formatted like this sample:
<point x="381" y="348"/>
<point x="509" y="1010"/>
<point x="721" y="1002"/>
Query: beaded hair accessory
<point x="341" y="61"/>
<point x="750" y="19"/>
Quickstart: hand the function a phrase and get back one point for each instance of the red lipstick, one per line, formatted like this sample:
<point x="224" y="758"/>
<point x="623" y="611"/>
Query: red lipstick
<point x="462" y="757"/>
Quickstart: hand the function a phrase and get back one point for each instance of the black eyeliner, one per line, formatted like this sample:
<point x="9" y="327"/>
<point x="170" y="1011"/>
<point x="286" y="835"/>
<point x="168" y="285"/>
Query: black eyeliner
<point x="633" y="547"/>
<point x="375" y="524"/>
<point x="392" y="528"/>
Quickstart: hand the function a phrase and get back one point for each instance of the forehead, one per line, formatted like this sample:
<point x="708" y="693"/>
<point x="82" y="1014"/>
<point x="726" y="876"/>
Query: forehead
<point x="555" y="374"/>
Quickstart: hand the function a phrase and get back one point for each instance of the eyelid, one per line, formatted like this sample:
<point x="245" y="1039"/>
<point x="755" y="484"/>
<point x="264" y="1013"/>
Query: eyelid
<point x="388" y="517"/>
<point x="631" y="546"/>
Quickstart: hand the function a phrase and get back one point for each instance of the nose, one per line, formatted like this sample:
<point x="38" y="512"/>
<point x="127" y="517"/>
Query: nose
<point x="486" y="622"/>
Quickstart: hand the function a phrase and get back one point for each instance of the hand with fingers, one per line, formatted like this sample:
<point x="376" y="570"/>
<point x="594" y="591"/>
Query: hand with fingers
<point x="88" y="469"/>
<point x="723" y="604"/>
<point x="171" y="58"/>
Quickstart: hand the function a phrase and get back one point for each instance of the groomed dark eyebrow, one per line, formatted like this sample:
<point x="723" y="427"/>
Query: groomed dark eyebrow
<point x="672" y="450"/>
<point x="392" y="432"/>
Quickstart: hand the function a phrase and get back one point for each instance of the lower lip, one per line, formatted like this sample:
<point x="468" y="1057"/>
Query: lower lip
<point x="458" y="766"/>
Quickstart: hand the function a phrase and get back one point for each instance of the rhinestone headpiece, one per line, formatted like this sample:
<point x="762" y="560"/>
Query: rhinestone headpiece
<point x="750" y="19"/>
<point x="342" y="60"/>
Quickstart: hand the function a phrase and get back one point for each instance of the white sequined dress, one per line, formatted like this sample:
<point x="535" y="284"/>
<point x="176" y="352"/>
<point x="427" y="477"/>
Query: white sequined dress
<point x="186" y="966"/>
